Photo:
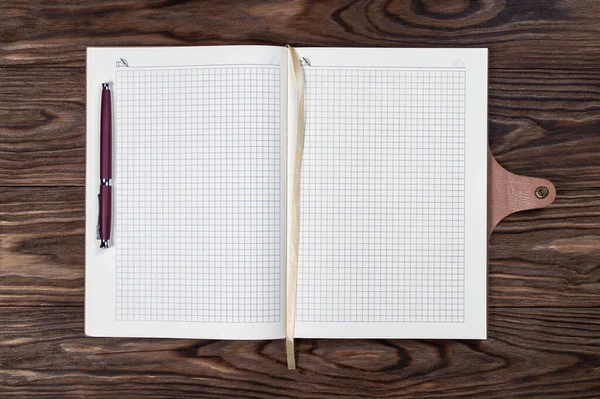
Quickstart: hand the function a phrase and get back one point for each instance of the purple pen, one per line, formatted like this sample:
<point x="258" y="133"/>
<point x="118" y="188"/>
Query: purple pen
<point x="105" y="166"/>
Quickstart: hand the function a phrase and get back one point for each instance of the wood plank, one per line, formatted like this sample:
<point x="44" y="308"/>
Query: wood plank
<point x="519" y="33"/>
<point x="547" y="257"/>
<point x="42" y="126"/>
<point x="542" y="123"/>
<point x="42" y="246"/>
<point x="545" y="124"/>
<point x="540" y="353"/>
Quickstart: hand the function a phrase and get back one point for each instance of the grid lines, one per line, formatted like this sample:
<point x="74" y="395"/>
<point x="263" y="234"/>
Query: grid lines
<point x="382" y="205"/>
<point x="198" y="187"/>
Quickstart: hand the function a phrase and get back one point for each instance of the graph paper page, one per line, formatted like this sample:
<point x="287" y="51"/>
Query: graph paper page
<point x="198" y="193"/>
<point x="393" y="194"/>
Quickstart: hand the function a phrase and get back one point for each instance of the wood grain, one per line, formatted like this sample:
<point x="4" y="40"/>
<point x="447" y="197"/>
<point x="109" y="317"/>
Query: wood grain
<point x="42" y="126"/>
<point x="544" y="265"/>
<point x="520" y="34"/>
<point x="45" y="353"/>
<point x="42" y="246"/>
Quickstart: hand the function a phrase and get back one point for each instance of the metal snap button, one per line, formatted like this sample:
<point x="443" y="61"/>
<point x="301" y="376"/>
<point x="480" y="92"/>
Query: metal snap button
<point x="541" y="192"/>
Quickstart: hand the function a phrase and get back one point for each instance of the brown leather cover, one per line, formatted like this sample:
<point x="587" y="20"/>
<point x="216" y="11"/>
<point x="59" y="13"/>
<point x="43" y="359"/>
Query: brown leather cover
<point x="509" y="193"/>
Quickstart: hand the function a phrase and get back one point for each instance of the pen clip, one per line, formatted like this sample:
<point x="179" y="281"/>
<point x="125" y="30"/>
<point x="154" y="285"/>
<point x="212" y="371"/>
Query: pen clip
<point x="98" y="224"/>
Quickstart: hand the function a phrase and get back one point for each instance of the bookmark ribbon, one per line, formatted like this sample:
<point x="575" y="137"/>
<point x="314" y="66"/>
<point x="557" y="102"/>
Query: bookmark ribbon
<point x="293" y="237"/>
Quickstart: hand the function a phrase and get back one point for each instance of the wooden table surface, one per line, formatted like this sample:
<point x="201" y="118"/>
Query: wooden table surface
<point x="544" y="265"/>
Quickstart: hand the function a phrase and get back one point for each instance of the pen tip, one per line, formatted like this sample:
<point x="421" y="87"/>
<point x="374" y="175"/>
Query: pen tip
<point x="105" y="86"/>
<point x="104" y="244"/>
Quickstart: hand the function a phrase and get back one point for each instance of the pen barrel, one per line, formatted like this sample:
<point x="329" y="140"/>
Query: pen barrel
<point x="105" y="136"/>
<point x="105" y="211"/>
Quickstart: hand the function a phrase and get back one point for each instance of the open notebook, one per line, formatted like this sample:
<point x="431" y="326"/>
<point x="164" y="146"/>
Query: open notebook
<point x="393" y="193"/>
